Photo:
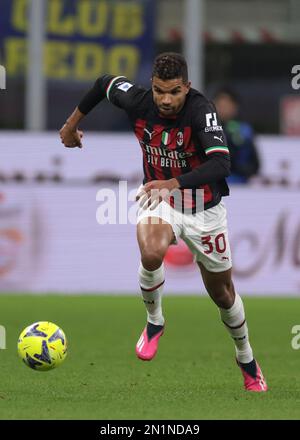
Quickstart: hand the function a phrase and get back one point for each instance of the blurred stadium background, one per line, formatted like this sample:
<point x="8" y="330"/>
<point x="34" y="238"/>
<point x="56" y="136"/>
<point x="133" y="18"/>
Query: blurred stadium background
<point x="50" y="241"/>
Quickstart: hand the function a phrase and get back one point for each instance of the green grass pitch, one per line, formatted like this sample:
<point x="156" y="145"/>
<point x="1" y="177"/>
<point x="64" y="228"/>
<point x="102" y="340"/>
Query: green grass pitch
<point x="194" y="375"/>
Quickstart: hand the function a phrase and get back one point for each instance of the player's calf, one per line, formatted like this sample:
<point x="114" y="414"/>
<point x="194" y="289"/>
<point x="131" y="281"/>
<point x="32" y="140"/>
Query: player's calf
<point x="151" y="285"/>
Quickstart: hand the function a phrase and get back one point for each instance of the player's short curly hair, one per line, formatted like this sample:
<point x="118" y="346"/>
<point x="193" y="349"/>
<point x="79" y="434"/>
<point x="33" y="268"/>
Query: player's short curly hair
<point x="170" y="65"/>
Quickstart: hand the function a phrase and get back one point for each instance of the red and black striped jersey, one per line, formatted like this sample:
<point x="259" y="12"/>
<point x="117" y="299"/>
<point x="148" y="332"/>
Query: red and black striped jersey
<point x="173" y="146"/>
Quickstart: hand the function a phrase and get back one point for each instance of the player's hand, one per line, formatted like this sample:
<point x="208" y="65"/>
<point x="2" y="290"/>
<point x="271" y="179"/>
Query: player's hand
<point x="152" y="193"/>
<point x="70" y="137"/>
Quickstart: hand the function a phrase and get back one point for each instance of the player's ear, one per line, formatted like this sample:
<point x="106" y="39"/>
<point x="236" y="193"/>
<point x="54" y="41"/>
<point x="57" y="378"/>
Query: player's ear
<point x="188" y="86"/>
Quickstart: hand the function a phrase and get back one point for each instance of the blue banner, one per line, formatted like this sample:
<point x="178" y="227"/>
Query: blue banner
<point x="85" y="39"/>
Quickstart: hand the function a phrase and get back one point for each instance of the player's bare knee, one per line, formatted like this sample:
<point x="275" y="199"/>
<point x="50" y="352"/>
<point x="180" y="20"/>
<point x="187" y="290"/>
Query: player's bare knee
<point x="152" y="258"/>
<point x="225" y="301"/>
<point x="223" y="295"/>
<point x="226" y="297"/>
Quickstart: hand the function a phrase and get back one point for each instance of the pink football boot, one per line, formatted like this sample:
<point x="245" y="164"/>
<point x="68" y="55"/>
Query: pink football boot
<point x="253" y="377"/>
<point x="147" y="345"/>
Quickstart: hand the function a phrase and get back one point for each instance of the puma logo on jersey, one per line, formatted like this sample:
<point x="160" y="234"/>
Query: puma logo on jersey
<point x="219" y="138"/>
<point x="149" y="133"/>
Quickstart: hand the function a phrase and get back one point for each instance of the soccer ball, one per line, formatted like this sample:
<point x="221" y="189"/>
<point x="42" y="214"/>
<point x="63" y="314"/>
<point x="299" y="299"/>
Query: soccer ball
<point x="42" y="346"/>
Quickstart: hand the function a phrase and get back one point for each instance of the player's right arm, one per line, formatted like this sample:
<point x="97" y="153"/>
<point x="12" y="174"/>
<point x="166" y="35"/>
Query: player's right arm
<point x="69" y="133"/>
<point x="117" y="89"/>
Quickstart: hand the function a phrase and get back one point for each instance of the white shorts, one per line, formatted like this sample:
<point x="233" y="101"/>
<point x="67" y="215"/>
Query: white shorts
<point x="205" y="233"/>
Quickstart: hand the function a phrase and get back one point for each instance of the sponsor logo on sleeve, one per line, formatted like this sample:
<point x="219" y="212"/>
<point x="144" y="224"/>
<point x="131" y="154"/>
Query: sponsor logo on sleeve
<point x="212" y="123"/>
<point x="125" y="86"/>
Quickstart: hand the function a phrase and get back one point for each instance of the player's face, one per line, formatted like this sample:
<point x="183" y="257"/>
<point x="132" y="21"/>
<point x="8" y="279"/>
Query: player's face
<point x="169" y="95"/>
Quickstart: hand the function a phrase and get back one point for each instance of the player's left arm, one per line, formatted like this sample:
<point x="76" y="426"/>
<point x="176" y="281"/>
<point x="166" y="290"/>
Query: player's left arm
<point x="212" y="141"/>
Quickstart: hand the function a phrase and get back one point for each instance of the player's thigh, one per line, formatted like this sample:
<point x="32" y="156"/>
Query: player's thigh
<point x="154" y="236"/>
<point x="157" y="228"/>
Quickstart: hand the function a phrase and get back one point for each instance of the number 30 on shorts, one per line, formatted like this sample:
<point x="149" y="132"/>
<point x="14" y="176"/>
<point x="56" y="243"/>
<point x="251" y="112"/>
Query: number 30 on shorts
<point x="219" y="241"/>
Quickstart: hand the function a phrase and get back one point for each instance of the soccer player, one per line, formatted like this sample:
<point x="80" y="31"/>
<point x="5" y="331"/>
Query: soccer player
<point x="184" y="149"/>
